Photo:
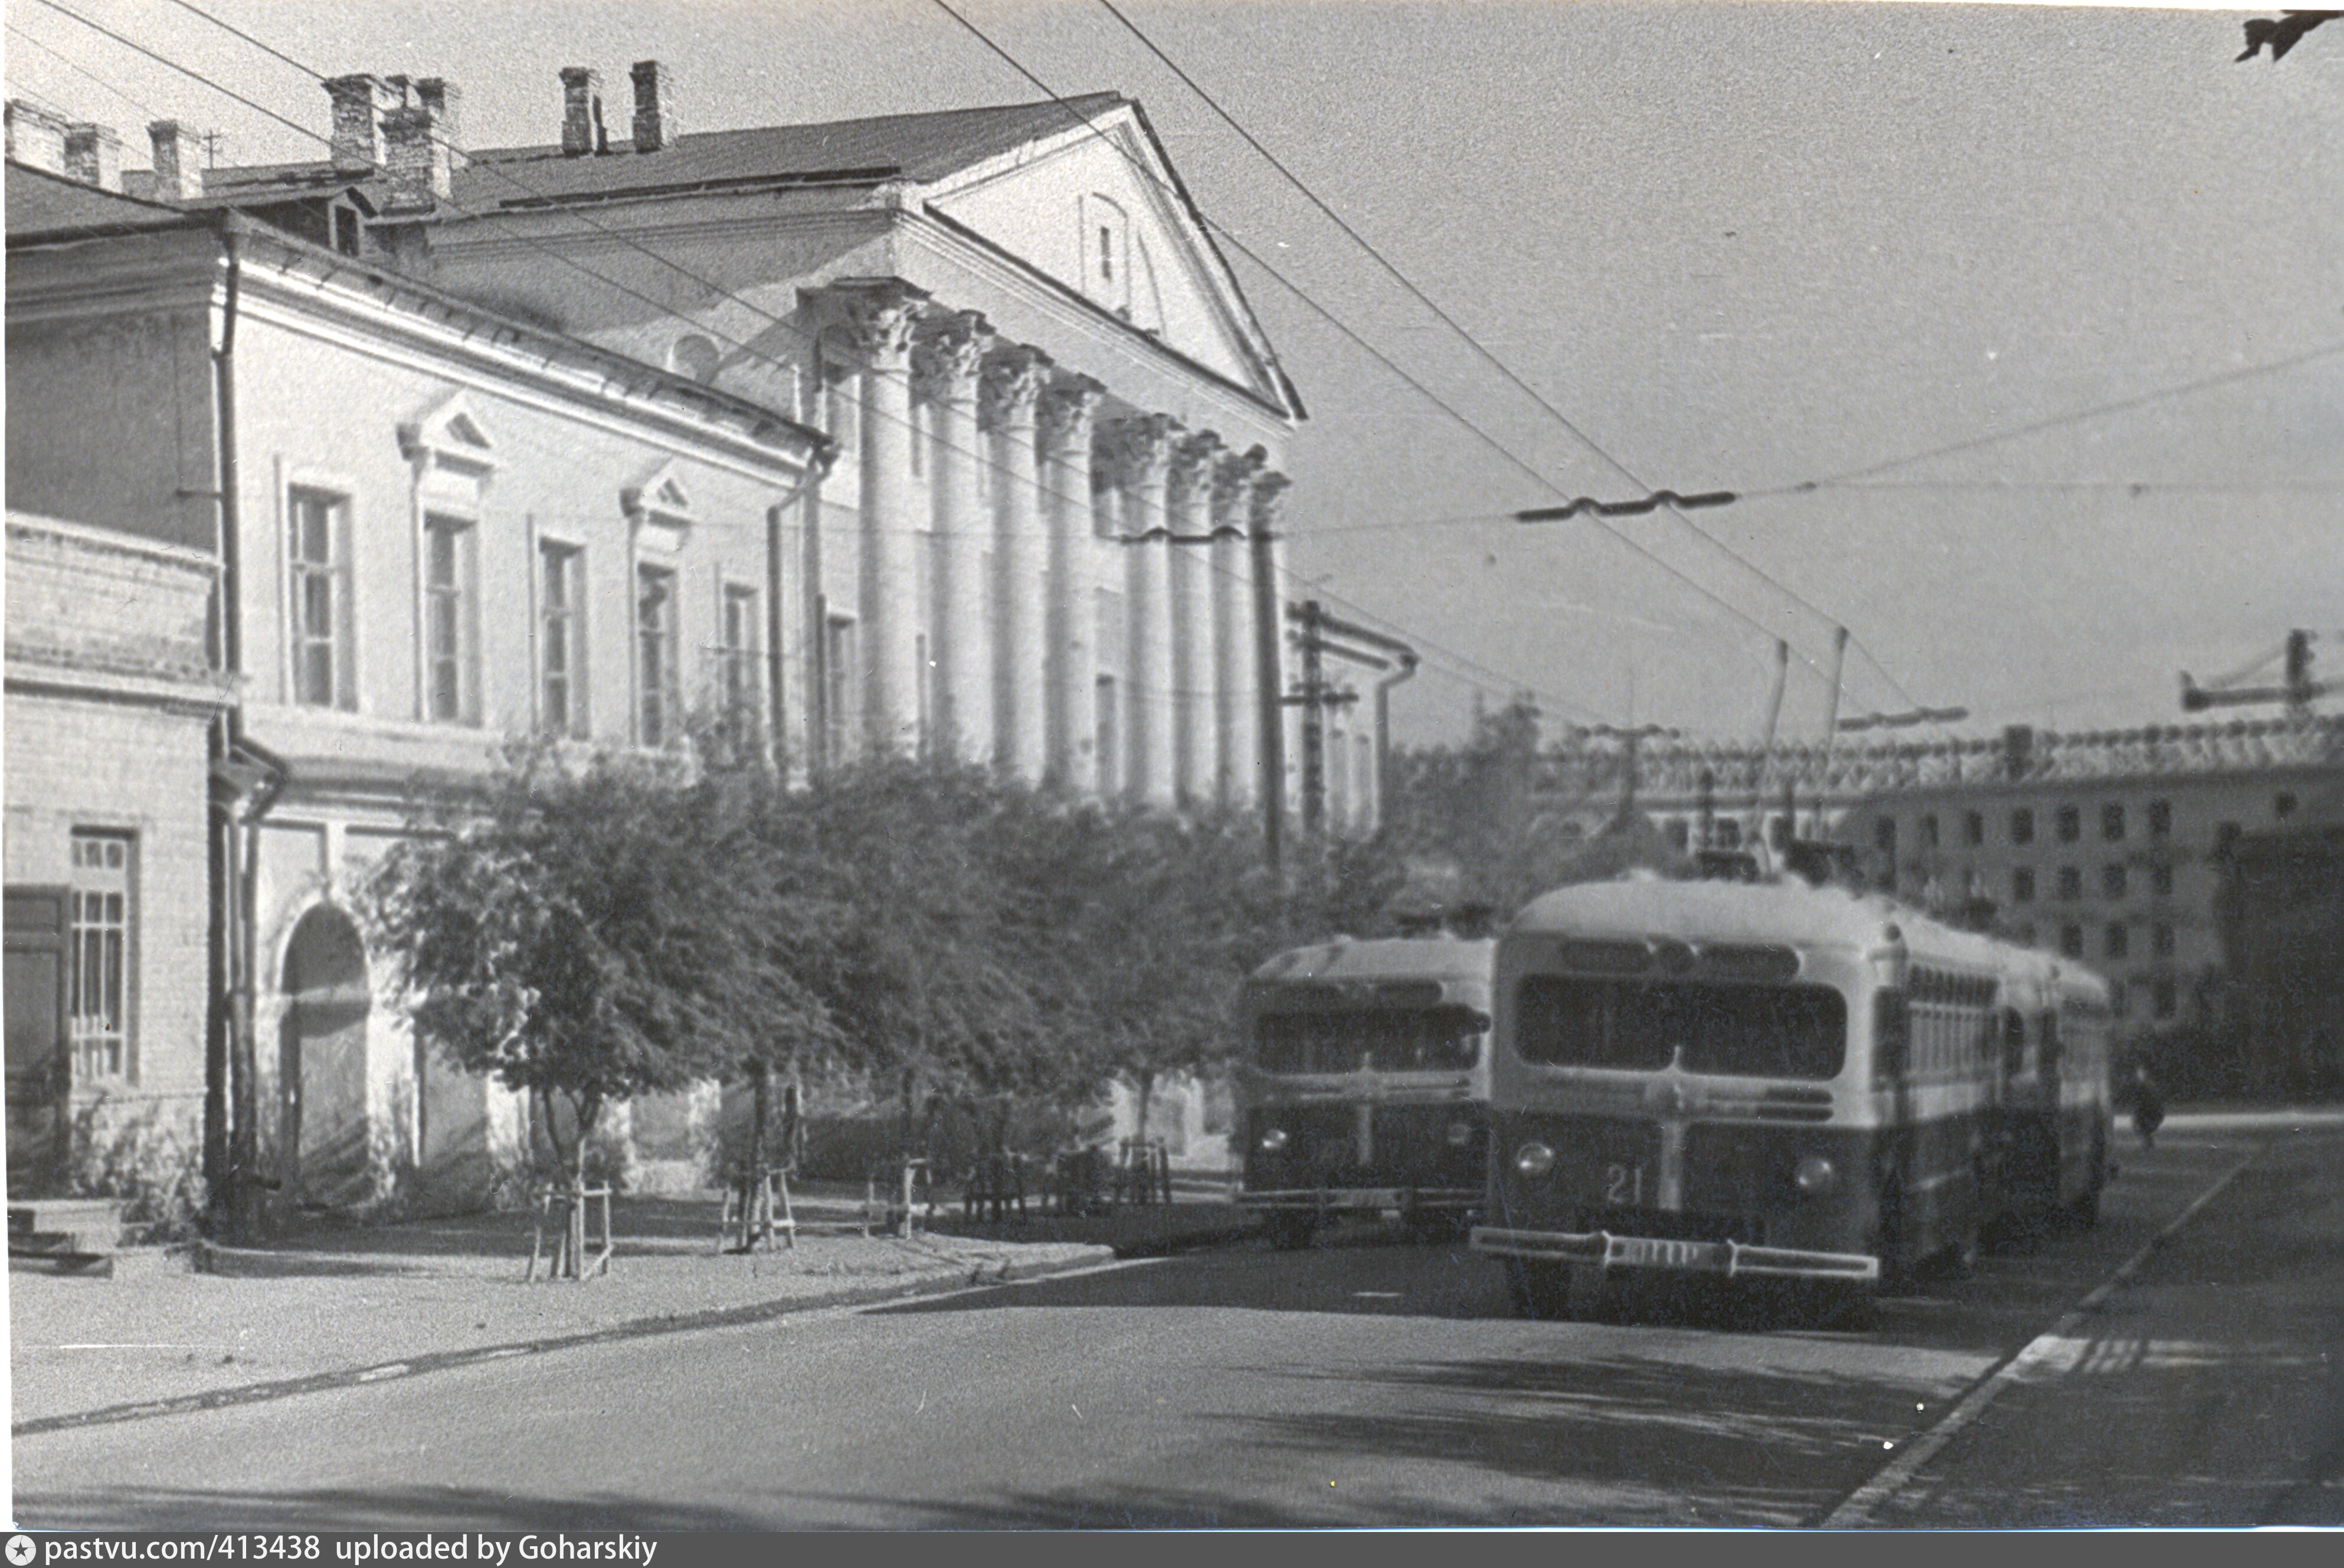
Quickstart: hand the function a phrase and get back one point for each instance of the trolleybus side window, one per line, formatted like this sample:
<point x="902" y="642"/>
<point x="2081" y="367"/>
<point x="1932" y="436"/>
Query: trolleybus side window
<point x="1750" y="1031"/>
<point x="1892" y="1034"/>
<point x="1431" y="1040"/>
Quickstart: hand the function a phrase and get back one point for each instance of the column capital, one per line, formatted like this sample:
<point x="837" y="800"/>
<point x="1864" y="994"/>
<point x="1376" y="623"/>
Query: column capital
<point x="881" y="312"/>
<point x="947" y="352"/>
<point x="1068" y="410"/>
<point x="1269" y="499"/>
<point x="1233" y="481"/>
<point x="1014" y="377"/>
<point x="1193" y="461"/>
<point x="1140" y="449"/>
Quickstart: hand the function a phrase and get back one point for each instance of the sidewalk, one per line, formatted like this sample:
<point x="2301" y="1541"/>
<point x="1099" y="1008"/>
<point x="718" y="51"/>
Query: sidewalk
<point x="332" y="1304"/>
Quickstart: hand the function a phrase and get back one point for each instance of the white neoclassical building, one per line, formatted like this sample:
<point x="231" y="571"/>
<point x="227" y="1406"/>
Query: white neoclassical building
<point x="1048" y="540"/>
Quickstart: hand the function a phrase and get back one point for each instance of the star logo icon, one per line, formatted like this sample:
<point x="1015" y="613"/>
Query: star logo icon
<point x="20" y="1550"/>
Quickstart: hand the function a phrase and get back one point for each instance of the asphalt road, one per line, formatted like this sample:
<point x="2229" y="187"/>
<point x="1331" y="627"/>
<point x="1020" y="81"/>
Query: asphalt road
<point x="1366" y="1381"/>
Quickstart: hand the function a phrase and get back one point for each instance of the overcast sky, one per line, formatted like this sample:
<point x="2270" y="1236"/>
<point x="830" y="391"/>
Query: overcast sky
<point x="1737" y="246"/>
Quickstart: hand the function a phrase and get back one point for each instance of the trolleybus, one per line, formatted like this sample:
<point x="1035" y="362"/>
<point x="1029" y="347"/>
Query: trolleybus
<point x="1365" y="1083"/>
<point x="1774" y="1081"/>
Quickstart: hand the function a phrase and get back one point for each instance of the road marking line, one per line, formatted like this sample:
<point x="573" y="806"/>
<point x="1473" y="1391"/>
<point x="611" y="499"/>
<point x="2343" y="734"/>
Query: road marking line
<point x="2047" y="1355"/>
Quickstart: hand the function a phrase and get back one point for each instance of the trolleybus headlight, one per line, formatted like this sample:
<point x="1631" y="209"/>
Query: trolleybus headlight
<point x="1274" y="1140"/>
<point x="1460" y="1133"/>
<point x="1815" y="1175"/>
<point x="1533" y="1160"/>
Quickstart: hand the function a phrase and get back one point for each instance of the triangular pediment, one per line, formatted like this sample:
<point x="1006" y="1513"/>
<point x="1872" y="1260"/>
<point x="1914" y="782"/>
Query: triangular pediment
<point x="449" y="435"/>
<point x="1098" y="208"/>
<point x="659" y="505"/>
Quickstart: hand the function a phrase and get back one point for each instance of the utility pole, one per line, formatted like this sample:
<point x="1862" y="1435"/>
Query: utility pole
<point x="1315" y="639"/>
<point x="1269" y="683"/>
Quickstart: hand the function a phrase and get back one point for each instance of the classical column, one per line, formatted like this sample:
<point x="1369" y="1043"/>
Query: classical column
<point x="1190" y="502"/>
<point x="1143" y="450"/>
<point x="1236" y="689"/>
<point x="882" y="315"/>
<point x="947" y="359"/>
<point x="1267" y="504"/>
<point x="1066" y="417"/>
<point x="1012" y="381"/>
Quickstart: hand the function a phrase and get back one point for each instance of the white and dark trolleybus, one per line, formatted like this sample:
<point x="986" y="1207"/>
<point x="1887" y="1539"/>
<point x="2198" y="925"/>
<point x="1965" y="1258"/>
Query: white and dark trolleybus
<point x="1364" y="1086"/>
<point x="1776" y="1081"/>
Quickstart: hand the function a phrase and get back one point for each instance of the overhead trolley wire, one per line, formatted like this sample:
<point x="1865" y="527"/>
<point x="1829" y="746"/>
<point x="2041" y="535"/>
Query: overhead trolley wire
<point x="1667" y="499"/>
<point x="1384" y="359"/>
<point x="2057" y="421"/>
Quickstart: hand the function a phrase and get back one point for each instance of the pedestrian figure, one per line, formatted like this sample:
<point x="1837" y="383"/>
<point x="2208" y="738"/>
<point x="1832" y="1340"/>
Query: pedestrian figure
<point x="2147" y="1104"/>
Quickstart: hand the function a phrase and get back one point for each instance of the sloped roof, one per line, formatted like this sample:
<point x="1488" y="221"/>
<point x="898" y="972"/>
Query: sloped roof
<point x="922" y="148"/>
<point x="43" y="203"/>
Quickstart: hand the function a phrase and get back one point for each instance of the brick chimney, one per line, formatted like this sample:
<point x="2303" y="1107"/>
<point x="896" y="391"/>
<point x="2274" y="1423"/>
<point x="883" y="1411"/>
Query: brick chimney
<point x="178" y="175"/>
<point x="439" y="97"/>
<point x="655" y="125"/>
<point x="36" y="137"/>
<point x="581" y="111"/>
<point x="357" y="142"/>
<point x="415" y="159"/>
<point x="94" y="155"/>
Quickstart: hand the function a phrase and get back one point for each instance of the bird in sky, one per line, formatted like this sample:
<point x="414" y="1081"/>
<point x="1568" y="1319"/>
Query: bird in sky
<point x="2281" y="35"/>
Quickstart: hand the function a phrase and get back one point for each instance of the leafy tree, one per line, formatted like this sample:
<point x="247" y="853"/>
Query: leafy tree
<point x="585" y="936"/>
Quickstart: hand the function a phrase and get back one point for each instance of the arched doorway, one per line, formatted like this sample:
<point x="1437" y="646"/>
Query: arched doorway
<point x="322" y="1063"/>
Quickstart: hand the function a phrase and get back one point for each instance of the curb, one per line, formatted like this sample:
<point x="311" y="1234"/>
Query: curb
<point x="940" y="1284"/>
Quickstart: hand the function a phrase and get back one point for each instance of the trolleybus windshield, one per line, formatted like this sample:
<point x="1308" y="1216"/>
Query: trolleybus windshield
<point x="1385" y="1040"/>
<point x="1747" y="1031"/>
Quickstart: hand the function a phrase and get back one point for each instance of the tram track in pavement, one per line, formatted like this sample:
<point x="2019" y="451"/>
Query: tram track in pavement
<point x="2036" y="1357"/>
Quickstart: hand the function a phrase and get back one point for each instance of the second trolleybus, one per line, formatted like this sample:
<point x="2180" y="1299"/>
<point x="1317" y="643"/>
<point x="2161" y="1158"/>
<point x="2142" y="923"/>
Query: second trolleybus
<point x="1364" y="1084"/>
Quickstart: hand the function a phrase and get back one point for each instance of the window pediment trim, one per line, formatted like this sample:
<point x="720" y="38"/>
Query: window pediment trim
<point x="450" y="437"/>
<point x="659" y="508"/>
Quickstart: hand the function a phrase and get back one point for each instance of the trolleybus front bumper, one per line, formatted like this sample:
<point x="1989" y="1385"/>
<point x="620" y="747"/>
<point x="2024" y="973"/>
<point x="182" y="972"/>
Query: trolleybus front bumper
<point x="1601" y="1250"/>
<point x="1328" y="1199"/>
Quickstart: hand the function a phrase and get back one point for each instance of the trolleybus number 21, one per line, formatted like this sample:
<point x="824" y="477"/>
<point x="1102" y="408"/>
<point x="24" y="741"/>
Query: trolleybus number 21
<point x="1623" y="1185"/>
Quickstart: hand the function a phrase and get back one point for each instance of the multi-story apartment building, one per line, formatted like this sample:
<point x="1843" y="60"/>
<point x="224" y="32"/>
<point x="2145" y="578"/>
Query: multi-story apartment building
<point x="2106" y="847"/>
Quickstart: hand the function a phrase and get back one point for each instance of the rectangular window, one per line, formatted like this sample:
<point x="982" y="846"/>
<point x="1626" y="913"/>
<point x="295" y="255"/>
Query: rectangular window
<point x="1974" y="828"/>
<point x="2071" y="882"/>
<point x="561" y="639"/>
<point x="2112" y="824"/>
<point x="657" y="717"/>
<point x="2160" y="940"/>
<point x="2071" y="824"/>
<point x="838" y="700"/>
<point x="98" y="956"/>
<point x="2112" y="881"/>
<point x="451" y="668"/>
<point x="2022" y="826"/>
<point x="2119" y="939"/>
<point x="2071" y="940"/>
<point x="1111" y="761"/>
<point x="2160" y="881"/>
<point x="319" y="597"/>
<point x="1929" y="831"/>
<point x="1883" y="835"/>
<point x="2163" y="999"/>
<point x="1753" y="1031"/>
<point x="2160" y="819"/>
<point x="2283" y="804"/>
<point x="741" y="671"/>
<point x="2022" y="885"/>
